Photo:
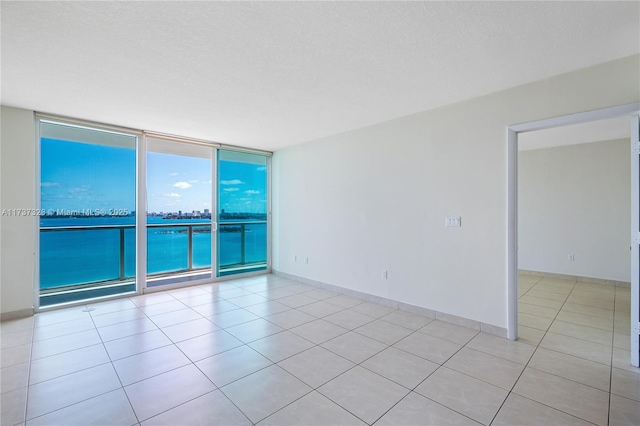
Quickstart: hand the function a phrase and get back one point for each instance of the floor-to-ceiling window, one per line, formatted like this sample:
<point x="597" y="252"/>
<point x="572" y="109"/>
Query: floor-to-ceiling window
<point x="87" y="244"/>
<point x="180" y="242"/>
<point x="242" y="212"/>
<point x="203" y="212"/>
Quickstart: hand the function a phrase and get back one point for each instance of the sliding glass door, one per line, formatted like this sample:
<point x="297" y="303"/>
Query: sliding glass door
<point x="179" y="220"/>
<point x="185" y="240"/>
<point x="87" y="244"/>
<point x="242" y="212"/>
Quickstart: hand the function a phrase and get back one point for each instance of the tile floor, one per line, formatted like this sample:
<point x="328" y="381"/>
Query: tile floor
<point x="265" y="350"/>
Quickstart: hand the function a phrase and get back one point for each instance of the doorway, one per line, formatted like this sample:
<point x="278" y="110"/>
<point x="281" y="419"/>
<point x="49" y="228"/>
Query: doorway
<point x="513" y="131"/>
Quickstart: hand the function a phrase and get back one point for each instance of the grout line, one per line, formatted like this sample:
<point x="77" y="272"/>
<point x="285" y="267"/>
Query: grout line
<point x="343" y="309"/>
<point x="552" y="408"/>
<point x="613" y="336"/>
<point x="84" y="369"/>
<point x="114" y="368"/>
<point x="272" y="363"/>
<point x="533" y="353"/>
<point x="611" y="356"/>
<point x="26" y="398"/>
<point x="412" y="390"/>
<point x="352" y="367"/>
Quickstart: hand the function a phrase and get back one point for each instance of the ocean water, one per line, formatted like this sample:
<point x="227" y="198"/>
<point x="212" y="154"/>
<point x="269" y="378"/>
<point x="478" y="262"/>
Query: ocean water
<point x="90" y="255"/>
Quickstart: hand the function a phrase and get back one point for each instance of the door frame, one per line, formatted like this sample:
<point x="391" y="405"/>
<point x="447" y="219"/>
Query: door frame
<point x="512" y="195"/>
<point x="40" y="118"/>
<point x="143" y="210"/>
<point x="635" y="240"/>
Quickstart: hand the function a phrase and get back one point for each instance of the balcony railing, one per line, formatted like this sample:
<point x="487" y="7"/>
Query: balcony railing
<point x="80" y="256"/>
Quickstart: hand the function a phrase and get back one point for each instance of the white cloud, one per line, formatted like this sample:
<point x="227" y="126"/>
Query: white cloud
<point x="173" y="174"/>
<point x="251" y="192"/>
<point x="81" y="190"/>
<point x="173" y="195"/>
<point x="261" y="168"/>
<point x="231" y="182"/>
<point x="49" y="184"/>
<point x="231" y="189"/>
<point x="182" y="185"/>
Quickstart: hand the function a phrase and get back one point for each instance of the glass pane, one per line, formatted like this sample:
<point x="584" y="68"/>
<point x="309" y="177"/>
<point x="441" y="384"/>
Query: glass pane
<point x="256" y="243"/>
<point x="87" y="235"/>
<point x="242" y="215"/>
<point x="167" y="249"/>
<point x="179" y="212"/>
<point x="202" y="247"/>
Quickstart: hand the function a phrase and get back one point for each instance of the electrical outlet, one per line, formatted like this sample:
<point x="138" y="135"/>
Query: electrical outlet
<point x="385" y="274"/>
<point x="295" y="258"/>
<point x="572" y="257"/>
<point x="306" y="260"/>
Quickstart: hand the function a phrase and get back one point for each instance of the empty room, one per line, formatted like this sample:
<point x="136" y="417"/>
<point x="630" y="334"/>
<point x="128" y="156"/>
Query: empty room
<point x="320" y="213"/>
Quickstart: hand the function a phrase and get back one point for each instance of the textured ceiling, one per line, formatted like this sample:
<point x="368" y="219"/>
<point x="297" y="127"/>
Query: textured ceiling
<point x="272" y="74"/>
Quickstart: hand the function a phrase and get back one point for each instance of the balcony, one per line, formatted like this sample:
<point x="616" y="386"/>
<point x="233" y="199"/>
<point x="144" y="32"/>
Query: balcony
<point x="79" y="262"/>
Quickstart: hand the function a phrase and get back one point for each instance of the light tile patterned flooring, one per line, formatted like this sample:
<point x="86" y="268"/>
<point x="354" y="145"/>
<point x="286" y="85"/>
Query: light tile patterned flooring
<point x="271" y="351"/>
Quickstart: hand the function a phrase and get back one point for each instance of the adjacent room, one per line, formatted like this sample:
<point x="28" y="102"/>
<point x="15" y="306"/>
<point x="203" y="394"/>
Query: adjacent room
<point x="574" y="232"/>
<point x="319" y="213"/>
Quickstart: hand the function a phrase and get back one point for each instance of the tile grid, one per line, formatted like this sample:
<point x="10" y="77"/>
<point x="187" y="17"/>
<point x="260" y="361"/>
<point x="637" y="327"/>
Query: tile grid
<point x="410" y="390"/>
<point x="346" y="331"/>
<point x="349" y="369"/>
<point x="371" y="320"/>
<point x="414" y="389"/>
<point x="357" y="364"/>
<point x="576" y="286"/>
<point x="160" y="329"/>
<point x="112" y="366"/>
<point x="174" y="343"/>
<point x="545" y="333"/>
<point x="110" y="362"/>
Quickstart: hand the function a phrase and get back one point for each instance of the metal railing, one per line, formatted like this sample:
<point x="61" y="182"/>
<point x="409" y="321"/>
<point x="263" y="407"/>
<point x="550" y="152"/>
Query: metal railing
<point x="243" y="228"/>
<point x="189" y="226"/>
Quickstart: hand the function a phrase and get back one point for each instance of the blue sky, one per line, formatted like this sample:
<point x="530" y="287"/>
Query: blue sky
<point x="176" y="182"/>
<point x="77" y="176"/>
<point x="242" y="187"/>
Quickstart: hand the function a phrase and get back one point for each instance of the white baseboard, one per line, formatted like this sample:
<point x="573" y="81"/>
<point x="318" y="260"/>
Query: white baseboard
<point x="23" y="313"/>
<point x="453" y="319"/>
<point x="577" y="278"/>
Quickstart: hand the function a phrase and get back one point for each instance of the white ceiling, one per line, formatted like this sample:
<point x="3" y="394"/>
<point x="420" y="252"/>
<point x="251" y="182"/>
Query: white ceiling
<point x="272" y="74"/>
<point x="593" y="131"/>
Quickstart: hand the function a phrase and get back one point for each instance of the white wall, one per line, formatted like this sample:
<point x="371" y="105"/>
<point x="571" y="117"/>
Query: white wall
<point x="376" y="198"/>
<point x="18" y="174"/>
<point x="576" y="200"/>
